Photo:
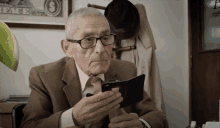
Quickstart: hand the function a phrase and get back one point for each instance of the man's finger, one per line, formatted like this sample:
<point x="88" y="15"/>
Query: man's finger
<point x="109" y="106"/>
<point x="113" y="99"/>
<point x="100" y="117"/>
<point x="115" y="89"/>
<point x="109" y="99"/>
<point x="94" y="117"/>
<point x="125" y="124"/>
<point x="101" y="111"/>
<point x="100" y="96"/>
<point x="124" y="117"/>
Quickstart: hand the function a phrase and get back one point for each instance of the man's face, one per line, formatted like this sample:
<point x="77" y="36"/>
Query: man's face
<point x="95" y="60"/>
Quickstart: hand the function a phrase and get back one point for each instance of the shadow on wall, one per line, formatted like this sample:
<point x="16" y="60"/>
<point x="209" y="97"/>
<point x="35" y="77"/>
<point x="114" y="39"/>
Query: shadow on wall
<point x="15" y="83"/>
<point x="175" y="102"/>
<point x="175" y="120"/>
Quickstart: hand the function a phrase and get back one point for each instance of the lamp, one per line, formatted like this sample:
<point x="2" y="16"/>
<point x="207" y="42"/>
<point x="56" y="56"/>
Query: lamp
<point x="9" y="50"/>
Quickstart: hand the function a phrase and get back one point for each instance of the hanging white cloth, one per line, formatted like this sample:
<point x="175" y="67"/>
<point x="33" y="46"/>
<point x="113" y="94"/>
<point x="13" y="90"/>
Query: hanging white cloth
<point x="145" y="59"/>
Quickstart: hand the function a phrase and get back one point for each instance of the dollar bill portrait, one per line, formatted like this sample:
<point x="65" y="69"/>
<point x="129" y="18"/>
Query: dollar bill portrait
<point x="45" y="8"/>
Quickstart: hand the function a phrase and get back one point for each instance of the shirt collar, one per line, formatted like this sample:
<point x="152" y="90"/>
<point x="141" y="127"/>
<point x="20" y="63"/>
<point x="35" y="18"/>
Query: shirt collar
<point x="84" y="78"/>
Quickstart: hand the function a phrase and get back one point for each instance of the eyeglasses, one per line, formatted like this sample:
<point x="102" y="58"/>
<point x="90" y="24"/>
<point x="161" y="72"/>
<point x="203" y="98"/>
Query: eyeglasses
<point x="91" y="42"/>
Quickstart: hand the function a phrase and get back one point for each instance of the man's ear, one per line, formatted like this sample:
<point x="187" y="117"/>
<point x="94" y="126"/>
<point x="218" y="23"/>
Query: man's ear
<point x="65" y="47"/>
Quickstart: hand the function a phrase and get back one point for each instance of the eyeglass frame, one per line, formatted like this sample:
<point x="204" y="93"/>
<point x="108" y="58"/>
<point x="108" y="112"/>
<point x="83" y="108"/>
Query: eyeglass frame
<point x="79" y="41"/>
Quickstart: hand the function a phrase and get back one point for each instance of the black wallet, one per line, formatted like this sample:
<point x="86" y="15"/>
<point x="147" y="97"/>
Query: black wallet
<point x="131" y="90"/>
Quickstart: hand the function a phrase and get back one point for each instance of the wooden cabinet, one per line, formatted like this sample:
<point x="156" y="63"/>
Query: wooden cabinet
<point x="5" y="120"/>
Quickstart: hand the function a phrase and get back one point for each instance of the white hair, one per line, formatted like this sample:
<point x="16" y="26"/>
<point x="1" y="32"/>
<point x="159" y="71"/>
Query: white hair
<point x="81" y="13"/>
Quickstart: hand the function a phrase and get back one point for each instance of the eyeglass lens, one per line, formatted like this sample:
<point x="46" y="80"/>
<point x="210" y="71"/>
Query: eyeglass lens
<point x="91" y="42"/>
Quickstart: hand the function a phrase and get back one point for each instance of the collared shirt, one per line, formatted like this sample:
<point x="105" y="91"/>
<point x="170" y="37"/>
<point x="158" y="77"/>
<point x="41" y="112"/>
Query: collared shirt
<point x="84" y="78"/>
<point x="66" y="119"/>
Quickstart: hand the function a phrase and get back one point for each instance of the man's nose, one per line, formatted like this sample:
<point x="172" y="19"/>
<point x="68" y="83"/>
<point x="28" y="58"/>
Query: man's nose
<point x="99" y="48"/>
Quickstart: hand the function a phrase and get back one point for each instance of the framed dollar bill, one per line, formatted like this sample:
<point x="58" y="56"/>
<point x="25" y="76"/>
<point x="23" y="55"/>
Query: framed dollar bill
<point x="50" y="14"/>
<point x="209" y="26"/>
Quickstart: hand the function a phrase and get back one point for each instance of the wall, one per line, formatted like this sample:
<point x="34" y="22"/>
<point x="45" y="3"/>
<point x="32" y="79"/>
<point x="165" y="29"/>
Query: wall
<point x="168" y="21"/>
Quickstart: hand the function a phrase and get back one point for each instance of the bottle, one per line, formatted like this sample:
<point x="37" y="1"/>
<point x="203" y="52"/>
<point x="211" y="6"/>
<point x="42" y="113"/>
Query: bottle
<point x="193" y="124"/>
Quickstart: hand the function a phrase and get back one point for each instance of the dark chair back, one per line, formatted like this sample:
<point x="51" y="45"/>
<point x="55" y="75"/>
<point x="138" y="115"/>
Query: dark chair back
<point x="17" y="115"/>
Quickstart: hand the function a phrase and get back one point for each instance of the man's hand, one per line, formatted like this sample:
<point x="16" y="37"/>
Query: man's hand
<point x="120" y="119"/>
<point x="95" y="108"/>
<point x="125" y="120"/>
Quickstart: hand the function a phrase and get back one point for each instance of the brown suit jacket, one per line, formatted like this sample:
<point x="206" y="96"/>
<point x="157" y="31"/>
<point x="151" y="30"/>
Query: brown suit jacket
<point x="55" y="87"/>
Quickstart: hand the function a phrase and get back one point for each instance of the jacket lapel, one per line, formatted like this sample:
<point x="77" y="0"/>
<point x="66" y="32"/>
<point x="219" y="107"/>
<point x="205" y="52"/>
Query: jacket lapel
<point x="73" y="88"/>
<point x="111" y="74"/>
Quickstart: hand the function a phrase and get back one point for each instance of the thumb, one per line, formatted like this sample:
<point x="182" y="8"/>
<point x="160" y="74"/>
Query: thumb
<point x="115" y="89"/>
<point x="121" y="111"/>
<point x="117" y="112"/>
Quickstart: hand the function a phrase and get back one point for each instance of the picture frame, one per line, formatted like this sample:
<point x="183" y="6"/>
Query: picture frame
<point x="209" y="26"/>
<point x="40" y="14"/>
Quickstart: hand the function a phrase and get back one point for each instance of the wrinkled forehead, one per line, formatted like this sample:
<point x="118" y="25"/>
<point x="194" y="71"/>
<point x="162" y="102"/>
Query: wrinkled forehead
<point x="84" y="25"/>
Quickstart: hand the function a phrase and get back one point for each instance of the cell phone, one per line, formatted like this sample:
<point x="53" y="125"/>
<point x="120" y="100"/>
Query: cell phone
<point x="131" y="90"/>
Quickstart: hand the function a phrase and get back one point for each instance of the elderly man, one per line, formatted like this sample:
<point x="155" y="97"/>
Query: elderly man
<point x="58" y="97"/>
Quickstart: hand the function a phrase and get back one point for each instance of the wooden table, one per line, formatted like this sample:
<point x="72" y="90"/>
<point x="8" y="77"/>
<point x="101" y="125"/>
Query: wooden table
<point x="6" y="113"/>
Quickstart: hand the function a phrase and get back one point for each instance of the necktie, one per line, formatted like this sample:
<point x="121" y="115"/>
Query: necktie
<point x="93" y="86"/>
<point x="97" y="83"/>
